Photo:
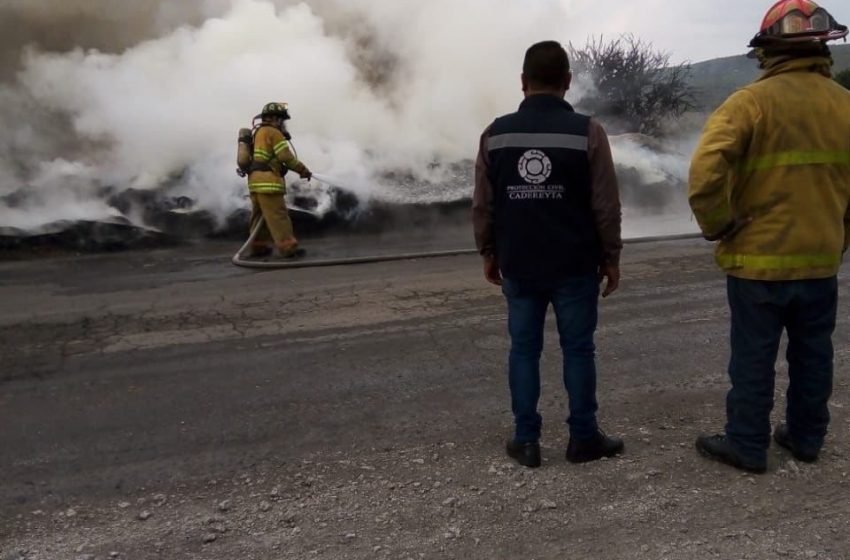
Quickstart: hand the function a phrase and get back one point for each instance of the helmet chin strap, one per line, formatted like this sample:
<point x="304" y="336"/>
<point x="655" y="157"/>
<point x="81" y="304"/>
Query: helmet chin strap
<point x="282" y="128"/>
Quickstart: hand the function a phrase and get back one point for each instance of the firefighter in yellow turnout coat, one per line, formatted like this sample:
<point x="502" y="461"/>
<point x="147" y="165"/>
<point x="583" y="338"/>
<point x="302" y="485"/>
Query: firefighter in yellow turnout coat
<point x="774" y="162"/>
<point x="770" y="181"/>
<point x="273" y="156"/>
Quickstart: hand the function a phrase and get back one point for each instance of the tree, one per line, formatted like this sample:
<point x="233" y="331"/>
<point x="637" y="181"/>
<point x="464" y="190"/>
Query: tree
<point x="635" y="88"/>
<point x="843" y="78"/>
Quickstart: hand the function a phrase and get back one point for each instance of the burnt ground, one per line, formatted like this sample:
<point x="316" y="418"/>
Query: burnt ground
<point x="163" y="404"/>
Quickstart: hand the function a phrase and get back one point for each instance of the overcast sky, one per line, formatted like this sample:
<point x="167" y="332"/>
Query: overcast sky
<point x="693" y="30"/>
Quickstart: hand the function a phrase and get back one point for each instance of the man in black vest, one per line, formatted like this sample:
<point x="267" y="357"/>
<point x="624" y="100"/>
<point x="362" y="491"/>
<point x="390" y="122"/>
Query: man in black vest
<point x="546" y="214"/>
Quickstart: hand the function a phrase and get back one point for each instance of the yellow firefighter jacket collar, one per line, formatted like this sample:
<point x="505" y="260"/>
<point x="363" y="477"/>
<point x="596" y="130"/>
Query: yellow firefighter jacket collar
<point x="782" y="64"/>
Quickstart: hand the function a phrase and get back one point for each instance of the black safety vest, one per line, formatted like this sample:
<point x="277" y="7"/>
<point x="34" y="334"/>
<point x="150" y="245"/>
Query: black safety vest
<point x="540" y="172"/>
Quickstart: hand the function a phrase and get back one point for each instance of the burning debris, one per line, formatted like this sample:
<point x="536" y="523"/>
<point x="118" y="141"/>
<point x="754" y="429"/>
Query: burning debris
<point x="145" y="218"/>
<point x="83" y="169"/>
<point x="652" y="173"/>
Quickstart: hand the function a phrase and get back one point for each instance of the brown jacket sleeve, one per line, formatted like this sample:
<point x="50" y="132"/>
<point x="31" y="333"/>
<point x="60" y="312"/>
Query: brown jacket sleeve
<point x="482" y="201"/>
<point x="605" y="196"/>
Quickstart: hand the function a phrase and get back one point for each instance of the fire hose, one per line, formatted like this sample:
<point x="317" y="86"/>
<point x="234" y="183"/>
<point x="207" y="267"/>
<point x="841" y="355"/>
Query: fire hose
<point x="240" y="260"/>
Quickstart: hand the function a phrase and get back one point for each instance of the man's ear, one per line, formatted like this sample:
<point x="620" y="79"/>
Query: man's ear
<point x="524" y="83"/>
<point x="569" y="79"/>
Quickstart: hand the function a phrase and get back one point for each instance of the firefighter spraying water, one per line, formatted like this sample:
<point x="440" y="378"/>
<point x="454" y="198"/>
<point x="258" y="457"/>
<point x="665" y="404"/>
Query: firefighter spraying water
<point x="264" y="155"/>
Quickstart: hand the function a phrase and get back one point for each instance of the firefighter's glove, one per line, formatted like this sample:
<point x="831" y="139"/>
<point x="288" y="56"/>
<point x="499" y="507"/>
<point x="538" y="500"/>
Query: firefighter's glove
<point x="305" y="173"/>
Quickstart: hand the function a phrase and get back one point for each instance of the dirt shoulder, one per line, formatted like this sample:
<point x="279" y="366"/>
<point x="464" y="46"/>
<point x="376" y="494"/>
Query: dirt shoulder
<point x="163" y="404"/>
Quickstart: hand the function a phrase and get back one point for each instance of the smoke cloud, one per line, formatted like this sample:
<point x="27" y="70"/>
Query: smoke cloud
<point x="105" y="25"/>
<point x="98" y="96"/>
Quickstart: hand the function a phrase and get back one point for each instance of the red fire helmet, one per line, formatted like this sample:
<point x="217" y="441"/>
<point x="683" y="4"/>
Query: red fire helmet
<point x="797" y="21"/>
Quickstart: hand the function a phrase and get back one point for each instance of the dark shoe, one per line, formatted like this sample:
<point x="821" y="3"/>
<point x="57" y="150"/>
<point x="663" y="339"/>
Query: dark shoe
<point x="584" y="451"/>
<point x="259" y="252"/>
<point x="292" y="254"/>
<point x="718" y="448"/>
<point x="526" y="454"/>
<point x="782" y="436"/>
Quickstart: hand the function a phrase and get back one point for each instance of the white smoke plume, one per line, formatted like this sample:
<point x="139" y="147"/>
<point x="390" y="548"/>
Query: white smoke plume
<point x="151" y="96"/>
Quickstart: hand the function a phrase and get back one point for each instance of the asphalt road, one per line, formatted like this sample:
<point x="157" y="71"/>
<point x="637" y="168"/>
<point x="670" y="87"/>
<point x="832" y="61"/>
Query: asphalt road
<point x="165" y="404"/>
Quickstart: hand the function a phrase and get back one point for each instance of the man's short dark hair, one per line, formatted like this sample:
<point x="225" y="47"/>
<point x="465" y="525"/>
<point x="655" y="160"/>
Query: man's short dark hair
<point x="546" y="64"/>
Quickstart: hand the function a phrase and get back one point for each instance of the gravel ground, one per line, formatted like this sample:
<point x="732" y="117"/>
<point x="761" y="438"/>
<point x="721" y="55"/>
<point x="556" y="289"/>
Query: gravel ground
<point x="165" y="405"/>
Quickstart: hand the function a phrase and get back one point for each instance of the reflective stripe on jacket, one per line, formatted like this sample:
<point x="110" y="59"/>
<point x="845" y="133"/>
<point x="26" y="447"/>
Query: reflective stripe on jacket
<point x="272" y="148"/>
<point x="778" y="152"/>
<point x="543" y="221"/>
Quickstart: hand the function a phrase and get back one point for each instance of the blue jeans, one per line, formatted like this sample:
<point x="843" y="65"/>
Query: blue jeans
<point x="806" y="309"/>
<point x="575" y="302"/>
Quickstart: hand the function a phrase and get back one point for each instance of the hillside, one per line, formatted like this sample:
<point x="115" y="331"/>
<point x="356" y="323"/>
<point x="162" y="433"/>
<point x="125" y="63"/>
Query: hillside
<point x="716" y="79"/>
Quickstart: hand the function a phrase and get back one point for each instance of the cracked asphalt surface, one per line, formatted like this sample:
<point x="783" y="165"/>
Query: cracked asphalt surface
<point x="163" y="404"/>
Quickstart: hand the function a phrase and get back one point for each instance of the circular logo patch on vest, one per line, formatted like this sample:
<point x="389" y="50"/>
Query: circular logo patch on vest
<point x="535" y="167"/>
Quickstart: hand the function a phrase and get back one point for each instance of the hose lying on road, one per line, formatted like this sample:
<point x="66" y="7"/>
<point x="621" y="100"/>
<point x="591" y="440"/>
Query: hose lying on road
<point x="239" y="260"/>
